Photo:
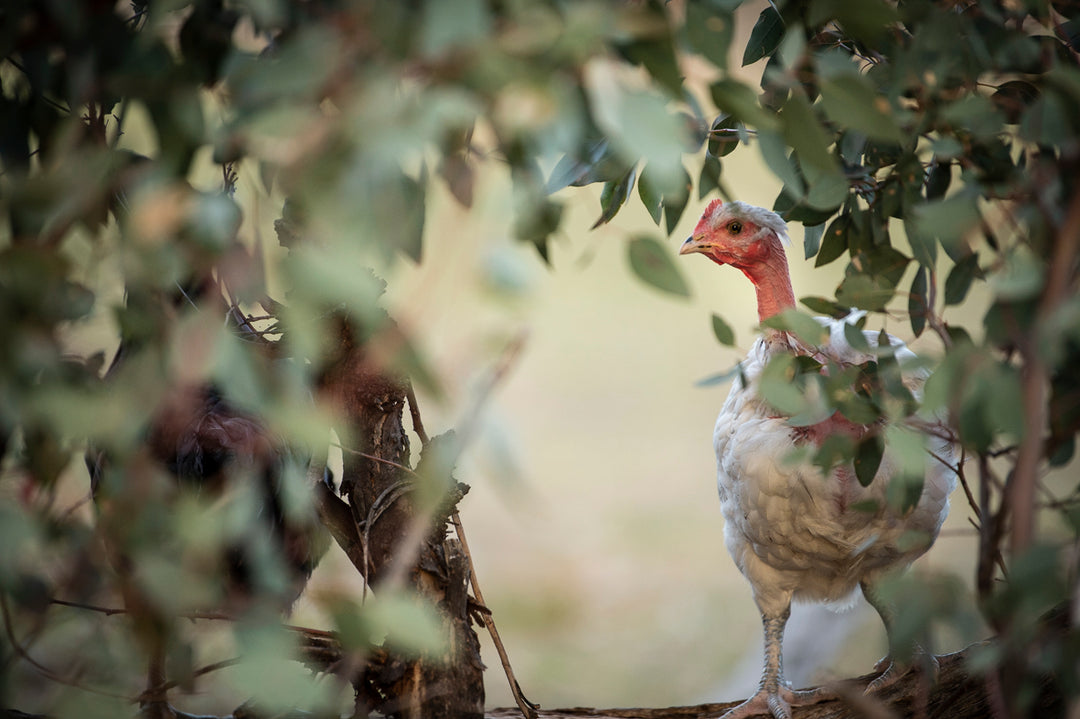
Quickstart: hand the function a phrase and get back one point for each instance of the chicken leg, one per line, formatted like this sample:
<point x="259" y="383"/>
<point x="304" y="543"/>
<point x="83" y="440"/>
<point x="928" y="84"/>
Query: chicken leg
<point x="775" y="696"/>
<point x="892" y="670"/>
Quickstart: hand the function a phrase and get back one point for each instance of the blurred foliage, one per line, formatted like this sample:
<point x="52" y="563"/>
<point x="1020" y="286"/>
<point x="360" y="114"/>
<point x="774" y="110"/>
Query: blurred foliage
<point x="930" y="145"/>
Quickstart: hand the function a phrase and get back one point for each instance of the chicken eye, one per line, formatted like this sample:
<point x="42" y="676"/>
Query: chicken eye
<point x="735" y="227"/>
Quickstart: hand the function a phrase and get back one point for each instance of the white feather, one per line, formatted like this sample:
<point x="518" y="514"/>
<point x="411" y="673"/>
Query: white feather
<point x="792" y="531"/>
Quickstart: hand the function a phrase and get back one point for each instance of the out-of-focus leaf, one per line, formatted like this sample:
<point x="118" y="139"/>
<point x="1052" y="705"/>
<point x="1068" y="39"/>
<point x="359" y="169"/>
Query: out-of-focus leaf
<point x="868" y="20"/>
<point x="836" y="449"/>
<point x="409" y="624"/>
<point x="856" y="339"/>
<point x="722" y="331"/>
<point x="948" y="219"/>
<point x="268" y="674"/>
<point x="449" y="26"/>
<point x="918" y="302"/>
<point x="850" y="101"/>
<point x="740" y="102"/>
<point x="923" y="246"/>
<point x="652" y="263"/>
<point x="718" y="378"/>
<point x="709" y="31"/>
<point x="639" y="124"/>
<point x="709" y="179"/>
<point x="827" y="185"/>
<point x="803" y="326"/>
<point x="865" y="292"/>
<point x="614" y="195"/>
<point x="776" y="386"/>
<point x="825" y="307"/>
<point x="535" y="221"/>
<point x="774" y="151"/>
<point x="960" y="278"/>
<point x="1020" y="278"/>
<point x="1013" y="97"/>
<point x="975" y="114"/>
<point x="868" y="453"/>
<point x="596" y="162"/>
<point x="1048" y="121"/>
<point x="765" y="37"/>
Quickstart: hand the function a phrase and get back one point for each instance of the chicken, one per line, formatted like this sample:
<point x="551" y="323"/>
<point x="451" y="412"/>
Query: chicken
<point x="794" y="533"/>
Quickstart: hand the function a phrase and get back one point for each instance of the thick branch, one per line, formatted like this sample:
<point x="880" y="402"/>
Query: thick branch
<point x="956" y="695"/>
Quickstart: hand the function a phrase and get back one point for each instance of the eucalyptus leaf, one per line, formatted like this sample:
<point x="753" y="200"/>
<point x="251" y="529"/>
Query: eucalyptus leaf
<point x="918" y="302"/>
<point x="650" y="196"/>
<point x="960" y="278"/>
<point x="812" y="239"/>
<point x="709" y="30"/>
<point x="614" y="196"/>
<point x="867" y="459"/>
<point x="851" y="101"/>
<point x="722" y="331"/>
<point x="803" y="326"/>
<point x="652" y="263"/>
<point x="765" y="37"/>
<point x="835" y="241"/>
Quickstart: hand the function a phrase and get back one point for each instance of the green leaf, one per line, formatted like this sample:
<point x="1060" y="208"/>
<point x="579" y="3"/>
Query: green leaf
<point x="723" y="135"/>
<point x="808" y="138"/>
<point x="1021" y="277"/>
<point x="938" y="179"/>
<point x="923" y="246"/>
<point x="774" y="150"/>
<point x="447" y="26"/>
<point x="765" y="37"/>
<point x="866" y="292"/>
<point x="948" y="219"/>
<point x="656" y="53"/>
<point x="614" y="196"/>
<point x="835" y="449"/>
<point x="675" y="202"/>
<point x="650" y="196"/>
<point x="975" y="114"/>
<point x="802" y="325"/>
<point x="741" y="103"/>
<point x="960" y="278"/>
<point x="709" y="179"/>
<point x="722" y="330"/>
<point x="776" y="386"/>
<point x="918" y="302"/>
<point x="825" y="307"/>
<point x="835" y="241"/>
<point x="851" y="101"/>
<point x="867" y="458"/>
<point x="719" y="378"/>
<point x="856" y="338"/>
<point x="652" y="263"/>
<point x="709" y="31"/>
<point x="812" y="239"/>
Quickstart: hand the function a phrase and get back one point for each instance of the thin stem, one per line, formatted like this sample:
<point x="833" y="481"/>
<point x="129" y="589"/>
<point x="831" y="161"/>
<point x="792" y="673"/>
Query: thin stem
<point x="528" y="708"/>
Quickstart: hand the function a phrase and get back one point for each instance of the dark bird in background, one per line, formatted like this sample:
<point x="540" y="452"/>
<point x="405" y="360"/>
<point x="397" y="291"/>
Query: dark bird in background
<point x="225" y="459"/>
<point x="796" y="532"/>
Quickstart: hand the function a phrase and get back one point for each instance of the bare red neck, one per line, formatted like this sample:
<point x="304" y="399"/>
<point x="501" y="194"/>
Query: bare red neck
<point x="771" y="278"/>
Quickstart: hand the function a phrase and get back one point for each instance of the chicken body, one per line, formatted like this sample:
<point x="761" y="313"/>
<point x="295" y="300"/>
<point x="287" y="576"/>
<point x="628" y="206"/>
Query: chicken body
<point x="794" y="532"/>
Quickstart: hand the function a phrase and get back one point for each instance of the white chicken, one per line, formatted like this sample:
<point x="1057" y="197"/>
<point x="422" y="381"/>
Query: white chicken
<point x="793" y="532"/>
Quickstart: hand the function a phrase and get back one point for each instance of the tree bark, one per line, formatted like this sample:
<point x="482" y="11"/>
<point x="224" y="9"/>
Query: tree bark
<point x="379" y="530"/>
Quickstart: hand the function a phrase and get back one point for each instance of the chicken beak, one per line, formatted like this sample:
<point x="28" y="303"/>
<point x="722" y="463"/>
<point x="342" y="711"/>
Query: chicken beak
<point x="691" y="246"/>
